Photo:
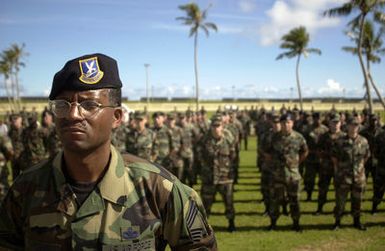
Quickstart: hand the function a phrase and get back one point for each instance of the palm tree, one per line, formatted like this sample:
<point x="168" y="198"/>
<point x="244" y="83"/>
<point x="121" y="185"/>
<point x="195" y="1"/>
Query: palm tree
<point x="296" y="43"/>
<point x="13" y="58"/>
<point x="196" y="19"/>
<point x="371" y="47"/>
<point x="5" y="70"/>
<point x="364" y="8"/>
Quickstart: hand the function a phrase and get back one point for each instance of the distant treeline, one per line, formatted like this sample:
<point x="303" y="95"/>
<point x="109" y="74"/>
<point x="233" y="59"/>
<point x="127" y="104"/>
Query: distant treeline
<point x="179" y="99"/>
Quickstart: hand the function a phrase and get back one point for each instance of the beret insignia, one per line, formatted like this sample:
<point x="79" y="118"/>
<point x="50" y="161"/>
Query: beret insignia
<point x="90" y="71"/>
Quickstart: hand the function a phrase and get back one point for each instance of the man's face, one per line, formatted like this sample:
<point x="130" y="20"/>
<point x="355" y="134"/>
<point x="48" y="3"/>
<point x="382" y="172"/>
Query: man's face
<point x="140" y="124"/>
<point x="334" y="126"/>
<point x="48" y="119"/>
<point x="17" y="122"/>
<point x="80" y="133"/>
<point x="159" y="120"/>
<point x="353" y="130"/>
<point x="217" y="130"/>
<point x="276" y="126"/>
<point x="287" y="126"/>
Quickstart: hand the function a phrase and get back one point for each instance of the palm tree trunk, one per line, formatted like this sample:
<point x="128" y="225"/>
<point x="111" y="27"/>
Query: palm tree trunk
<point x="8" y="94"/>
<point x="196" y="70"/>
<point x="376" y="89"/>
<point x="298" y="83"/>
<point x="364" y="71"/>
<point x="18" y="104"/>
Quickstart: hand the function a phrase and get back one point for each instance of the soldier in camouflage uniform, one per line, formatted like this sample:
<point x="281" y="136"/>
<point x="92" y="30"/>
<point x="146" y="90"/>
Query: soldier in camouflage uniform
<point x="131" y="134"/>
<point x="35" y="148"/>
<point x="143" y="139"/>
<point x="325" y="146"/>
<point x="370" y="132"/>
<point x="91" y="197"/>
<point x="379" y="180"/>
<point x="312" y="162"/>
<point x="267" y="167"/>
<point x="288" y="150"/>
<point x="176" y="161"/>
<point x="349" y="156"/>
<point x="186" y="151"/>
<point x="164" y="146"/>
<point x="235" y="127"/>
<point x="119" y="136"/>
<point x="14" y="134"/>
<point x="51" y="139"/>
<point x="217" y="152"/>
<point x="6" y="154"/>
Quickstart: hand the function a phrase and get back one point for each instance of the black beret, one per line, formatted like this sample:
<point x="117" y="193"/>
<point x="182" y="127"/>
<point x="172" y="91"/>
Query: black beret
<point x="88" y="72"/>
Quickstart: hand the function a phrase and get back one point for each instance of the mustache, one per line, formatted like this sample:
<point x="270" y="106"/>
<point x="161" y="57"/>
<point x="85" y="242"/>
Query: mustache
<point x="79" y="124"/>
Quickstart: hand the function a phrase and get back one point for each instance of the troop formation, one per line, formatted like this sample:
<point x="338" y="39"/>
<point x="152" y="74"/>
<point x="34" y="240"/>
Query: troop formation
<point x="343" y="147"/>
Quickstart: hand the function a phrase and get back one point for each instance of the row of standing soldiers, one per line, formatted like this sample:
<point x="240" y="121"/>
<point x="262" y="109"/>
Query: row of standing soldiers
<point x="188" y="145"/>
<point x="25" y="141"/>
<point x="342" y="147"/>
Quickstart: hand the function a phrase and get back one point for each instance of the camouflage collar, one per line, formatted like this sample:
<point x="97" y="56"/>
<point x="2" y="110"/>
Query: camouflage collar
<point x="114" y="186"/>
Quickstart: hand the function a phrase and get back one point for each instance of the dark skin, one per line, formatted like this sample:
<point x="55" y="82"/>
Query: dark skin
<point x="86" y="140"/>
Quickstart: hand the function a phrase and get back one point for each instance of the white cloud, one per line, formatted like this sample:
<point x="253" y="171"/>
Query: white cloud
<point x="332" y="88"/>
<point x="288" y="14"/>
<point x="247" y="6"/>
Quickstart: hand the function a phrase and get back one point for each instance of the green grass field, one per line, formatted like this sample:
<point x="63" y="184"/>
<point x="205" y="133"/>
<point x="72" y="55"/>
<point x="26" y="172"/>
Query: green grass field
<point x="251" y="225"/>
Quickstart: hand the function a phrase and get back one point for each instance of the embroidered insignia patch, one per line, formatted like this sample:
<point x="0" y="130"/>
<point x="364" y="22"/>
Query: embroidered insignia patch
<point x="130" y="234"/>
<point x="91" y="73"/>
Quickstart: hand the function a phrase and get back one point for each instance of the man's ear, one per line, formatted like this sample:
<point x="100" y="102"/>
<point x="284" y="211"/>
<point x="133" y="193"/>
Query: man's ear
<point x="117" y="118"/>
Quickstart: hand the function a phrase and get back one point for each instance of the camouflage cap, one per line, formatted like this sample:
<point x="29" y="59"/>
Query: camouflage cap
<point x="88" y="72"/>
<point x="216" y="120"/>
<point x="139" y="115"/>
<point x="275" y="118"/>
<point x="171" y="116"/>
<point x="353" y="121"/>
<point x="316" y="115"/>
<point x="335" y="117"/>
<point x="157" y="114"/>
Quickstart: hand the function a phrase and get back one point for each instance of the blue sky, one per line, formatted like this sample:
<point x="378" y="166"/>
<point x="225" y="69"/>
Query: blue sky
<point x="238" y="60"/>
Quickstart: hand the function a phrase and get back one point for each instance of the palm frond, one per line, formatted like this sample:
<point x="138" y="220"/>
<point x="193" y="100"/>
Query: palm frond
<point x="343" y="10"/>
<point x="211" y="26"/>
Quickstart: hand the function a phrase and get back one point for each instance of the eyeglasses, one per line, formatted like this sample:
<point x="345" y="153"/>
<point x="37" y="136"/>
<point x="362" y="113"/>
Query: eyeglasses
<point x="87" y="108"/>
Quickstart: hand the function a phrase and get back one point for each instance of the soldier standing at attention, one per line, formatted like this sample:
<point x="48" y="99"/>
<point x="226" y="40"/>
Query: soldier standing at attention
<point x="289" y="149"/>
<point x="379" y="180"/>
<point x="143" y="143"/>
<point x="217" y="152"/>
<point x="349" y="156"/>
<point x="163" y="139"/>
<point x="268" y="166"/>
<point x="131" y="134"/>
<point x="326" y="172"/>
<point x="313" y="161"/>
<point x="14" y="133"/>
<point x="176" y="162"/>
<point x="91" y="197"/>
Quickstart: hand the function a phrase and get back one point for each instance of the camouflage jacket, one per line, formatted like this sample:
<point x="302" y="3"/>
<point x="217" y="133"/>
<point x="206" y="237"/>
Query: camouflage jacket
<point x="186" y="150"/>
<point x="286" y="150"/>
<point x="17" y="142"/>
<point x="144" y="144"/>
<point x="6" y="150"/>
<point x="380" y="153"/>
<point x="118" y="137"/>
<point x="216" y="156"/>
<point x="130" y="141"/>
<point x="326" y="145"/>
<point x="136" y="206"/>
<point x="351" y="155"/>
<point x="34" y="145"/>
<point x="312" y="137"/>
<point x="164" y="146"/>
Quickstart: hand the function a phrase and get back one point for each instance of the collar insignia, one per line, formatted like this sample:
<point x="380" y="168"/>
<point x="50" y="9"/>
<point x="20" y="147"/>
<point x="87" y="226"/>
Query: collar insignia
<point x="91" y="74"/>
<point x="131" y="233"/>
